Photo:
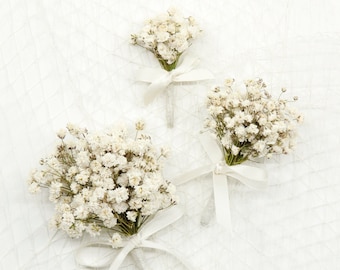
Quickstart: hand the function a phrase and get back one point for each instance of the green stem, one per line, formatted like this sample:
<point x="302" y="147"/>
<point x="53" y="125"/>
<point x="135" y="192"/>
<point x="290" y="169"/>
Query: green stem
<point x="231" y="159"/>
<point x="166" y="66"/>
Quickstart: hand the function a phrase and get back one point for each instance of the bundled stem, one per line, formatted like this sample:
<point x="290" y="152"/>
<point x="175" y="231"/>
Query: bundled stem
<point x="170" y="97"/>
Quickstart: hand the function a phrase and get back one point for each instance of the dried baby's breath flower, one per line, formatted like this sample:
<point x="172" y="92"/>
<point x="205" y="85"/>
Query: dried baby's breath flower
<point x="61" y="133"/>
<point x="251" y="124"/>
<point x="165" y="152"/>
<point x="103" y="181"/>
<point x="167" y="36"/>
<point x="140" y="125"/>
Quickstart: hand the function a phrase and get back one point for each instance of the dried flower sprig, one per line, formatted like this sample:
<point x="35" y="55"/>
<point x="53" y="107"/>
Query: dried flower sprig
<point x="250" y="124"/>
<point x="103" y="181"/>
<point x="167" y="36"/>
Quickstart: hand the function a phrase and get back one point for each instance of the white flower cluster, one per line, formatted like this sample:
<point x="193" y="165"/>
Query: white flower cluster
<point x="167" y="37"/>
<point x="103" y="180"/>
<point x="251" y="123"/>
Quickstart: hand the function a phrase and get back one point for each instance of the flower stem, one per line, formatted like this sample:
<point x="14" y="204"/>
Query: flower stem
<point x="166" y="66"/>
<point x="170" y="102"/>
<point x="170" y="99"/>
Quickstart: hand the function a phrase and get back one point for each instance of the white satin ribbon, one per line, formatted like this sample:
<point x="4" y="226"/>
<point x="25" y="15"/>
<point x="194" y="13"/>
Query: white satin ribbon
<point x="140" y="240"/>
<point x="159" y="78"/>
<point x="250" y="176"/>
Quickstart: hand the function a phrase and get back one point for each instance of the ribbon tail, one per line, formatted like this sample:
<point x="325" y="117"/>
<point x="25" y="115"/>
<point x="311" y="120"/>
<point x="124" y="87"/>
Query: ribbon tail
<point x="139" y="258"/>
<point x="153" y="245"/>
<point x="250" y="176"/>
<point x="152" y="92"/>
<point x="157" y="87"/>
<point x="188" y="176"/>
<point x="222" y="202"/>
<point x="158" y="79"/>
<point x="94" y="255"/>
<point x="121" y="256"/>
<point x="161" y="220"/>
<point x="195" y="75"/>
<point x="211" y="147"/>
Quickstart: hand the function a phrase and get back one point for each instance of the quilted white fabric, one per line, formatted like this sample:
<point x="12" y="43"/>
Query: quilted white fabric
<point x="70" y="61"/>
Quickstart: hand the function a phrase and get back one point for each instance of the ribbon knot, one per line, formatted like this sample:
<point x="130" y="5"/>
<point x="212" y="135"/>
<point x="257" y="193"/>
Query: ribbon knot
<point x="159" y="78"/>
<point x="109" y="255"/>
<point x="136" y="241"/>
<point x="218" y="168"/>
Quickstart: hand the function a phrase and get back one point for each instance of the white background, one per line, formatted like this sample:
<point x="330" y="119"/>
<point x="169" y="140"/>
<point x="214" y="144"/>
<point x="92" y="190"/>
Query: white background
<point x="70" y="61"/>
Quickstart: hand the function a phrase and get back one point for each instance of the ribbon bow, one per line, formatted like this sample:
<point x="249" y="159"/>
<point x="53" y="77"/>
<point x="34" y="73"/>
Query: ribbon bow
<point x="159" y="78"/>
<point x="161" y="220"/>
<point x="250" y="176"/>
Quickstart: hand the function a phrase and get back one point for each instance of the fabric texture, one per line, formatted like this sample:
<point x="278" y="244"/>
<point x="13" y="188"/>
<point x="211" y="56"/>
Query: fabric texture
<point x="71" y="61"/>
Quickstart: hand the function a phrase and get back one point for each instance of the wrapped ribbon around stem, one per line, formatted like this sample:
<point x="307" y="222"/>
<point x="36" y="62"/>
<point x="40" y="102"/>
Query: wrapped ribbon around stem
<point x="113" y="258"/>
<point x="250" y="176"/>
<point x="160" y="79"/>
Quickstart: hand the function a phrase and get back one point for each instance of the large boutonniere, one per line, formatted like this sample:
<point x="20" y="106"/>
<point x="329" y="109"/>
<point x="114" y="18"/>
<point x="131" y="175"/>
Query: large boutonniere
<point x="108" y="184"/>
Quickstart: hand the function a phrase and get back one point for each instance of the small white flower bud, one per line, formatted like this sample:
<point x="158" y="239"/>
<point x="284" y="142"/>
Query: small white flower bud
<point x="61" y="134"/>
<point x="140" y="125"/>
